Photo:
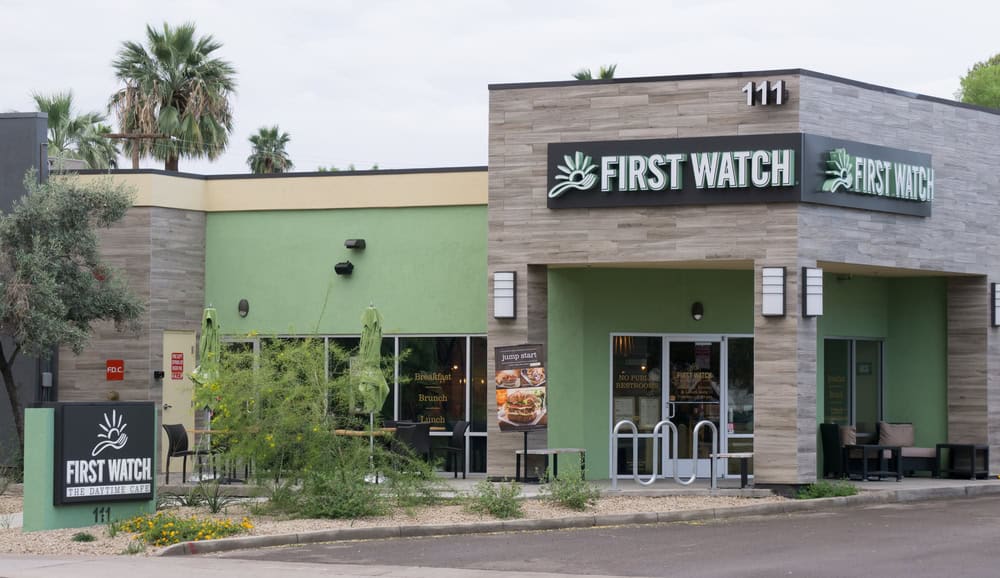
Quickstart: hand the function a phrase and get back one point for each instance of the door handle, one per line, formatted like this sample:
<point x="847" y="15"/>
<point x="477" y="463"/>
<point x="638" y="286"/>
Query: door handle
<point x="167" y="406"/>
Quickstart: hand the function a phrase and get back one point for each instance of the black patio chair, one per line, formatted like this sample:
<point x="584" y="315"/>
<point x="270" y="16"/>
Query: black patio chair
<point x="177" y="438"/>
<point x="456" y="448"/>
<point x="416" y="437"/>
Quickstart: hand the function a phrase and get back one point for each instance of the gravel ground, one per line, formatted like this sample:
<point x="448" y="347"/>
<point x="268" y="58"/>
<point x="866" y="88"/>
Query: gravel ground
<point x="58" y="542"/>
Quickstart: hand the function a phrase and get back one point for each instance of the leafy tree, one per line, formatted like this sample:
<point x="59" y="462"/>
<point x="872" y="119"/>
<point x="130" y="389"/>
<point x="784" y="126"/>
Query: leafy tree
<point x="77" y="136"/>
<point x="268" y="154"/>
<point x="53" y="283"/>
<point x="176" y="87"/>
<point x="981" y="85"/>
<point x="605" y="73"/>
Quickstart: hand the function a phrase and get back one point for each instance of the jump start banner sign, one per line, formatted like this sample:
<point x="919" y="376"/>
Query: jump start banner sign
<point x="104" y="452"/>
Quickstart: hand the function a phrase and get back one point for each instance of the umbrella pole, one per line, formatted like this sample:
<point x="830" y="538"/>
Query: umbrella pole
<point x="371" y="443"/>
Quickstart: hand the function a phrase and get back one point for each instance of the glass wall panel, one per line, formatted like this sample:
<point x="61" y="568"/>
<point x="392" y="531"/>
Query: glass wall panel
<point x="477" y="454"/>
<point x="432" y="380"/>
<point x="636" y="377"/>
<point x="867" y="381"/>
<point x="637" y="363"/>
<point x="478" y="355"/>
<point x="836" y="381"/>
<point x="740" y="387"/>
<point x="341" y="349"/>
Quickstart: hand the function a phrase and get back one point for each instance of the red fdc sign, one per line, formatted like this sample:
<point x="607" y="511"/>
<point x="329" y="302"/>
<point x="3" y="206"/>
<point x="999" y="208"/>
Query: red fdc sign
<point x="177" y="365"/>
<point x="115" y="369"/>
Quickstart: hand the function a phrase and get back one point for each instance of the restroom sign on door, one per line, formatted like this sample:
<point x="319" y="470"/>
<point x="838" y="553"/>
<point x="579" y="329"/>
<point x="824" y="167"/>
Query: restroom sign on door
<point x="177" y="365"/>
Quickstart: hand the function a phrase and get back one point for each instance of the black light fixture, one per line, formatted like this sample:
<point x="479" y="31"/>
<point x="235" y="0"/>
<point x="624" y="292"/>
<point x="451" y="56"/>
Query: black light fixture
<point x="697" y="310"/>
<point x="355" y="243"/>
<point x="243" y="307"/>
<point x="344" y="268"/>
<point x="158" y="374"/>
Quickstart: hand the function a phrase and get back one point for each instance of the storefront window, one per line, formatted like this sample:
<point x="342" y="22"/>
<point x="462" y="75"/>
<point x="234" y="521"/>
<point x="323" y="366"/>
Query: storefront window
<point x="478" y="389"/>
<point x="432" y="380"/>
<point x="740" y="387"/>
<point x="340" y="351"/>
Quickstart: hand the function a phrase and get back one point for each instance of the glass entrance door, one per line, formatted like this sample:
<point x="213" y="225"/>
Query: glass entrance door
<point x="693" y="394"/>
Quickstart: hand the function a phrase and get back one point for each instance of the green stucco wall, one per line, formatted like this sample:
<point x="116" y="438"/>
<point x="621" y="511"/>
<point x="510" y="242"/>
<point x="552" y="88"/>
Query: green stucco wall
<point x="586" y="306"/>
<point x="424" y="268"/>
<point x="910" y="316"/>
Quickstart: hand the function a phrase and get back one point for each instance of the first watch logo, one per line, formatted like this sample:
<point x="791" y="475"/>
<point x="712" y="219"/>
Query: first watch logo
<point x="114" y="433"/>
<point x="578" y="173"/>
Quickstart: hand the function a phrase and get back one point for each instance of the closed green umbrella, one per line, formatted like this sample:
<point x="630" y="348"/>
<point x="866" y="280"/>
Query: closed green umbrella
<point x="209" y="348"/>
<point x="371" y="386"/>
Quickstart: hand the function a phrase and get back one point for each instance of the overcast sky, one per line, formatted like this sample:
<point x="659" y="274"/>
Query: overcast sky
<point x="404" y="83"/>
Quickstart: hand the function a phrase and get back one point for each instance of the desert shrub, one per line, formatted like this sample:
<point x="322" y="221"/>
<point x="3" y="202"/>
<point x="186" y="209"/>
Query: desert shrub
<point x="825" y="489"/>
<point x="162" y="529"/>
<point x="570" y="490"/>
<point x="499" y="500"/>
<point x="213" y="496"/>
<point x="83" y="537"/>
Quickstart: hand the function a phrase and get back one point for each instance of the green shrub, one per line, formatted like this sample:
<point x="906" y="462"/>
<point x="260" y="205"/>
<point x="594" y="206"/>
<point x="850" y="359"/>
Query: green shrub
<point x="499" y="500"/>
<point x="134" y="547"/>
<point x="570" y="490"/>
<point x="83" y="537"/>
<point x="162" y="529"/>
<point x="825" y="489"/>
<point x="213" y="496"/>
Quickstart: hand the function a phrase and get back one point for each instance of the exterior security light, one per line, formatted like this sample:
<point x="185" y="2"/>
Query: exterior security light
<point x="812" y="292"/>
<point x="697" y="310"/>
<point x="355" y="243"/>
<point x="772" y="291"/>
<point x="243" y="307"/>
<point x="504" y="290"/>
<point x="344" y="268"/>
<point x="995" y="304"/>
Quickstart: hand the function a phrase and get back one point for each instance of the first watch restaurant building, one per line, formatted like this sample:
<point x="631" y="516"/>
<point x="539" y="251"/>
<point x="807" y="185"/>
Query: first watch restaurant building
<point x="768" y="251"/>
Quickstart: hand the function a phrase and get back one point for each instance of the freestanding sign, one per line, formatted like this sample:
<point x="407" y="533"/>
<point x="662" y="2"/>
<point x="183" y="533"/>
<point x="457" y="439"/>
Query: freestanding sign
<point x="104" y="452"/>
<point x="521" y="385"/>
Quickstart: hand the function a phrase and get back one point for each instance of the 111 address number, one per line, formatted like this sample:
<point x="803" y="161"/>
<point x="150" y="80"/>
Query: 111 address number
<point x="766" y="93"/>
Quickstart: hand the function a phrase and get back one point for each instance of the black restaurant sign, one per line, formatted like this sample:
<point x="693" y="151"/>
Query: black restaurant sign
<point x="105" y="452"/>
<point x="767" y="168"/>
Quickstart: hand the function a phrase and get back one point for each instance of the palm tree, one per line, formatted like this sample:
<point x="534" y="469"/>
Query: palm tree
<point x="176" y="89"/>
<point x="605" y="73"/>
<point x="77" y="136"/>
<point x="268" y="154"/>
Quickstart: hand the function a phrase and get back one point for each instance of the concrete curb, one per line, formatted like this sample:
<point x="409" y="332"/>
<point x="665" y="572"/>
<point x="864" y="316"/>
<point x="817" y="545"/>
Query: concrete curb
<point x="582" y="521"/>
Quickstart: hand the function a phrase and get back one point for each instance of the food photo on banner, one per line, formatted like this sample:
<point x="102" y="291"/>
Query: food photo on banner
<point x="104" y="452"/>
<point x="521" y="388"/>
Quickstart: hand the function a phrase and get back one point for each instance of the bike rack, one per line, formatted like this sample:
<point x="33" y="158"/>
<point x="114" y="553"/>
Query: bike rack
<point x="616" y="435"/>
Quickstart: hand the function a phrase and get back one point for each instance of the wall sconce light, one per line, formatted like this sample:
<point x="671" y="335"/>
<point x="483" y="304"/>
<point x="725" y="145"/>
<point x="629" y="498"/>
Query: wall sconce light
<point x="504" y="291"/>
<point x="995" y="304"/>
<point x="355" y="243"/>
<point x="158" y="374"/>
<point x="243" y="307"/>
<point x="772" y="291"/>
<point x="344" y="268"/>
<point x="812" y="292"/>
<point x="697" y="310"/>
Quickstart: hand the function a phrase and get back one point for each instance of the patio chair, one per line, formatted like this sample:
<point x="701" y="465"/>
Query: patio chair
<point x="416" y="437"/>
<point x="456" y="448"/>
<point x="177" y="439"/>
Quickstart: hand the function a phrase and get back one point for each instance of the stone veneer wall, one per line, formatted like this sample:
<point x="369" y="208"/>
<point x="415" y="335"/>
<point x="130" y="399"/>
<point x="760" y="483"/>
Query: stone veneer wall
<point x="525" y="236"/>
<point x="162" y="253"/>
<point x="964" y="144"/>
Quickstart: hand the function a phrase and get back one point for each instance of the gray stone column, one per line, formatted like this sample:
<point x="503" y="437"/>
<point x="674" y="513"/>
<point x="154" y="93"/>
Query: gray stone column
<point x="784" y="385"/>
<point x="968" y="322"/>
